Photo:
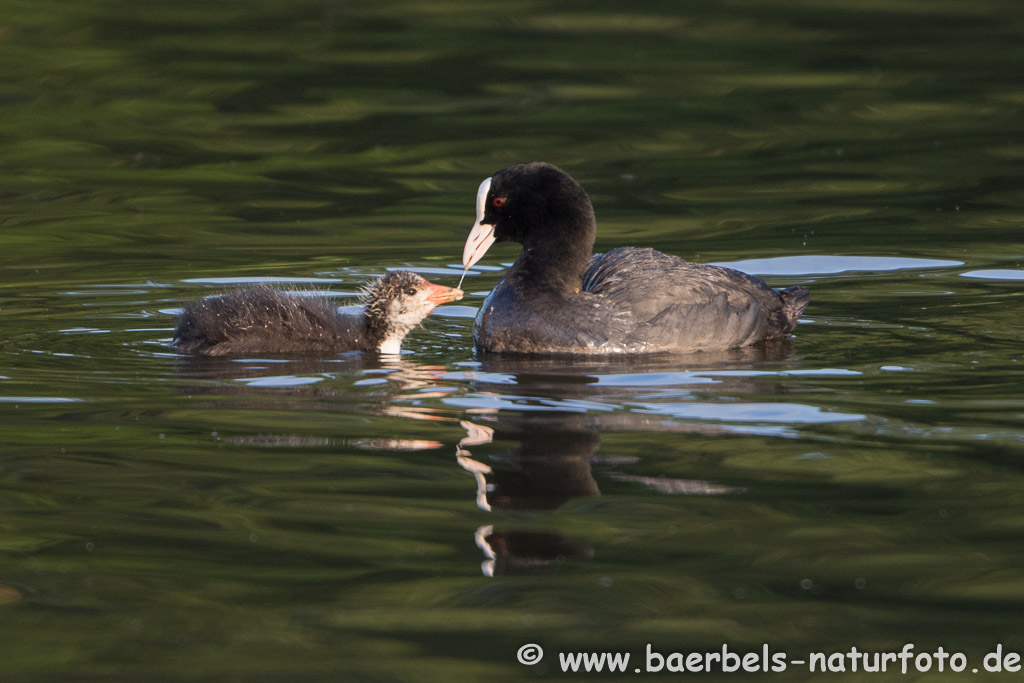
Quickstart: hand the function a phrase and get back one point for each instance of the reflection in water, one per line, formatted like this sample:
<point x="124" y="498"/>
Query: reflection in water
<point x="376" y="370"/>
<point x="541" y="473"/>
<point x="677" y="487"/>
<point x="292" y="373"/>
<point x="550" y="416"/>
<point x="696" y="393"/>
<point x="547" y="467"/>
<point x="381" y="381"/>
<point x="995" y="274"/>
<point x="533" y="427"/>
<point x="817" y="264"/>
<point x="395" y="444"/>
<point x="525" y="552"/>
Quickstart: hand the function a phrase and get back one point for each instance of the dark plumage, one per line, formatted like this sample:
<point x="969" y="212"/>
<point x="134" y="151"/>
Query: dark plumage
<point x="558" y="298"/>
<point x="263" y="320"/>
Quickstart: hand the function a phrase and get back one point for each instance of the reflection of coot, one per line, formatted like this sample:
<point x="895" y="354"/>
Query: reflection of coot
<point x="544" y="471"/>
<point x="558" y="299"/>
<point x="526" y="552"/>
<point x="267" y="321"/>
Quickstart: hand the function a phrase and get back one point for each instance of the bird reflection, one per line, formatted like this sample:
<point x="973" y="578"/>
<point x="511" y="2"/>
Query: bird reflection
<point x="554" y="411"/>
<point x="549" y="415"/>
<point x="306" y="384"/>
<point x="532" y="427"/>
<point x="262" y="372"/>
<point x="545" y="469"/>
<point x="525" y="552"/>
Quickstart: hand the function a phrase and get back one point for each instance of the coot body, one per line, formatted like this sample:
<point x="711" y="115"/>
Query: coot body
<point x="263" y="320"/>
<point x="558" y="298"/>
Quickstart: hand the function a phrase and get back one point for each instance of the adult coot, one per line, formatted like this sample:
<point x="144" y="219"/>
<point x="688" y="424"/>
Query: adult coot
<point x="263" y="320"/>
<point x="558" y="298"/>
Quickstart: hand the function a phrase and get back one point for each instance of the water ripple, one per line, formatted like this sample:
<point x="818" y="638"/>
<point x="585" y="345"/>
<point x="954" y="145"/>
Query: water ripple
<point x="786" y="413"/>
<point x="818" y="264"/>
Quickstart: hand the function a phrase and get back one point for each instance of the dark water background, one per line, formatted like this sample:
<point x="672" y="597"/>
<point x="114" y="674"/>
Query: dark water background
<point x="163" y="518"/>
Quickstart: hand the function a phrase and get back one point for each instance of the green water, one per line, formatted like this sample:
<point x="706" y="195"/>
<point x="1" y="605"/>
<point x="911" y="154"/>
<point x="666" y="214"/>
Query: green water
<point x="167" y="518"/>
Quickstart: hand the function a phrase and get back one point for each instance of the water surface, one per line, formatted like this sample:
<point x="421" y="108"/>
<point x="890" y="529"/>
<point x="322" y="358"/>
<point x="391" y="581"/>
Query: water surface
<point x="356" y="518"/>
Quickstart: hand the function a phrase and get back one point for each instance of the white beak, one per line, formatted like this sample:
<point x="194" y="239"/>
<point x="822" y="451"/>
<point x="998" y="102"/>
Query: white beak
<point x="481" y="237"/>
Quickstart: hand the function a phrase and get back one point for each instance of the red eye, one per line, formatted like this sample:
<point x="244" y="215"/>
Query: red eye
<point x="498" y="202"/>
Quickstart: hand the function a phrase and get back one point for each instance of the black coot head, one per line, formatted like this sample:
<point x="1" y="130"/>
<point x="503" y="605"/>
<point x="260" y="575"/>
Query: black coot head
<point x="525" y="199"/>
<point x="537" y="205"/>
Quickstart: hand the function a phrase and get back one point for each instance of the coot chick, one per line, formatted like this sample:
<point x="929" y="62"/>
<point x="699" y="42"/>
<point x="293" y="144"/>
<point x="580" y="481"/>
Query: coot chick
<point x="557" y="298"/>
<point x="264" y="320"/>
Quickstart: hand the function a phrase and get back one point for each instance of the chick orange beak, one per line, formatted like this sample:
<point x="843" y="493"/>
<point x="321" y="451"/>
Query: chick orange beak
<point x="439" y="294"/>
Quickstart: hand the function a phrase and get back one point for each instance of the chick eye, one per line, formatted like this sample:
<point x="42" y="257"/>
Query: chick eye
<point x="411" y="291"/>
<point x="498" y="202"/>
